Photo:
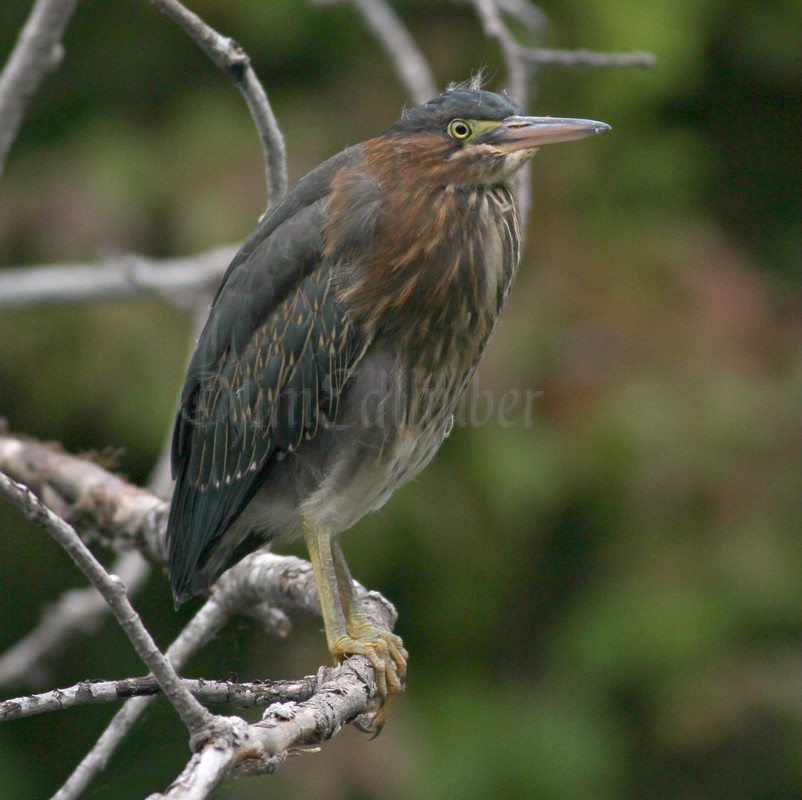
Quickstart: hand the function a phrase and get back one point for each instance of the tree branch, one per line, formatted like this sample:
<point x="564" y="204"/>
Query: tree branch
<point x="126" y="517"/>
<point x="37" y="53"/>
<point x="587" y="58"/>
<point x="207" y="767"/>
<point x="183" y="280"/>
<point x="527" y="13"/>
<point x="211" y="617"/>
<point x="194" y="716"/>
<point x="518" y="75"/>
<point x="521" y="61"/>
<point x="235" y="62"/>
<point x="285" y="727"/>
<point x="494" y="28"/>
<point x="232" y="693"/>
<point x="263" y="581"/>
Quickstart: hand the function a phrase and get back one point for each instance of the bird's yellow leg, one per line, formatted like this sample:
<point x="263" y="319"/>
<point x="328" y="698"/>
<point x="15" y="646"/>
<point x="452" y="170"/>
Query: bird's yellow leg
<point x="349" y="631"/>
<point x="389" y="646"/>
<point x="358" y="623"/>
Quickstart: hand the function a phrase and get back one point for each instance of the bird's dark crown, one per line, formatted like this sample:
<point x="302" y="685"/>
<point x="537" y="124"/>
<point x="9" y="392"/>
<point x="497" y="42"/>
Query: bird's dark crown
<point x="459" y="103"/>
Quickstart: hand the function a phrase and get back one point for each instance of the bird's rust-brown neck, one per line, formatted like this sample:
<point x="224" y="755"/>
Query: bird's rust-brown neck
<point x="441" y="254"/>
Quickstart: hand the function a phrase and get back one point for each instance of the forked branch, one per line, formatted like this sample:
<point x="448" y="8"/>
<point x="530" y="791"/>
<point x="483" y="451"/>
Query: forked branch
<point x="37" y="53"/>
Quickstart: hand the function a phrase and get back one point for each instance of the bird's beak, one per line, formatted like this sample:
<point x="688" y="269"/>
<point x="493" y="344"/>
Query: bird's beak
<point x="526" y="133"/>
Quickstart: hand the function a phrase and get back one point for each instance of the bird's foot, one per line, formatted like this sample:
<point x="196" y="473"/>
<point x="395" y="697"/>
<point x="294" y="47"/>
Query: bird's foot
<point x="387" y="654"/>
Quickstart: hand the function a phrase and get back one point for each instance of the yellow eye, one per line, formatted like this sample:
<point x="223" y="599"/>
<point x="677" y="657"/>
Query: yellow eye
<point x="459" y="129"/>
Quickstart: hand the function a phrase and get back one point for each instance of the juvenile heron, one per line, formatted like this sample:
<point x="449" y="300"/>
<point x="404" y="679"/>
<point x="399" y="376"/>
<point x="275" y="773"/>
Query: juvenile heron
<point x="339" y="342"/>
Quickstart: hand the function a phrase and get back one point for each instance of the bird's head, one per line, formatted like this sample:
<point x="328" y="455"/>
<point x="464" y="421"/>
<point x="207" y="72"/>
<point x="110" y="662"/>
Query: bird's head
<point x="472" y="137"/>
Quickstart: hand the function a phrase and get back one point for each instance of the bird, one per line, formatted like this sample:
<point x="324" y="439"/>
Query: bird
<point x="341" y="338"/>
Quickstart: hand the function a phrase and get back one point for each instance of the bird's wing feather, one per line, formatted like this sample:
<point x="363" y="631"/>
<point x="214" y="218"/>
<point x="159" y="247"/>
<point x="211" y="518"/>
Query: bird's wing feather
<point x="266" y="373"/>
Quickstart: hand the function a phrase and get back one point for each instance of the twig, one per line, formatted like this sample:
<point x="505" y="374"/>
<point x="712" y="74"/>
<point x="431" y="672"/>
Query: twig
<point x="527" y="13"/>
<point x="494" y="28"/>
<point x="518" y="75"/>
<point x="134" y="517"/>
<point x="194" y="716"/>
<point x="38" y="52"/>
<point x="233" y="60"/>
<point x="586" y="58"/>
<point x="516" y="55"/>
<point x="260" y="577"/>
<point x="210" y="619"/>
<point x="262" y="747"/>
<point x="410" y="65"/>
<point x="207" y="767"/>
<point x="122" y="276"/>
<point x="231" y="693"/>
<point x="124" y="516"/>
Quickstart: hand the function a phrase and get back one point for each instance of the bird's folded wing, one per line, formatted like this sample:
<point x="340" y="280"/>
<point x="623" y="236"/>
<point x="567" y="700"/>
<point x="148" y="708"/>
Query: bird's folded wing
<point x="267" y="372"/>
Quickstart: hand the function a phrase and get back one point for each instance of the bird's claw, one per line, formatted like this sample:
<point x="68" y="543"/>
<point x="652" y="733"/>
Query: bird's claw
<point x="373" y="722"/>
<point x="387" y="655"/>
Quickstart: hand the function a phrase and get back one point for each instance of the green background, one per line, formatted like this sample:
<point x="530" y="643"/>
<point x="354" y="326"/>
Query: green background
<point x="601" y="597"/>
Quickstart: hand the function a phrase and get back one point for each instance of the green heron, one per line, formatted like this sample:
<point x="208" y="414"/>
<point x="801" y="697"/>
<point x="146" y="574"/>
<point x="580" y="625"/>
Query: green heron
<point x="339" y="342"/>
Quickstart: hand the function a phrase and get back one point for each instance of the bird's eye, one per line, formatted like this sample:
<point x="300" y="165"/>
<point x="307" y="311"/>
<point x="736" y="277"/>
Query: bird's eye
<point x="459" y="129"/>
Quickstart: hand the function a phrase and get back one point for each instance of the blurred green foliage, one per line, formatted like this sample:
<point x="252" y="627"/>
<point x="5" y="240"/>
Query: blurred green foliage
<point x="601" y="600"/>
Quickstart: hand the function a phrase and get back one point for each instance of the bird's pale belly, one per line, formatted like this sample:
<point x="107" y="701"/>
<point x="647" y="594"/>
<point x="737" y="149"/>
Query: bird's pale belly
<point x="336" y="507"/>
<point x="395" y="448"/>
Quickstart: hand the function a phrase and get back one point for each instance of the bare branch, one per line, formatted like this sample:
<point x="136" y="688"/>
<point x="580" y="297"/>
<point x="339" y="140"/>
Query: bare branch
<point x="410" y="65"/>
<point x="527" y="13"/>
<point x="263" y="747"/>
<point x="37" y="53"/>
<point x="587" y="58"/>
<point x="210" y="619"/>
<point x="494" y="28"/>
<point x="521" y="61"/>
<point x="232" y="693"/>
<point x="194" y="716"/>
<point x="342" y="697"/>
<point x="516" y="54"/>
<point x="207" y="767"/>
<point x="518" y="75"/>
<point x="182" y="279"/>
<point x="125" y="516"/>
<point x="261" y="582"/>
<point x="233" y="60"/>
<point x="262" y="575"/>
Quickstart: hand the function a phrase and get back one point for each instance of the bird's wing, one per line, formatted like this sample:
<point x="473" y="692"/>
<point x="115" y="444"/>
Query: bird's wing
<point x="267" y="372"/>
